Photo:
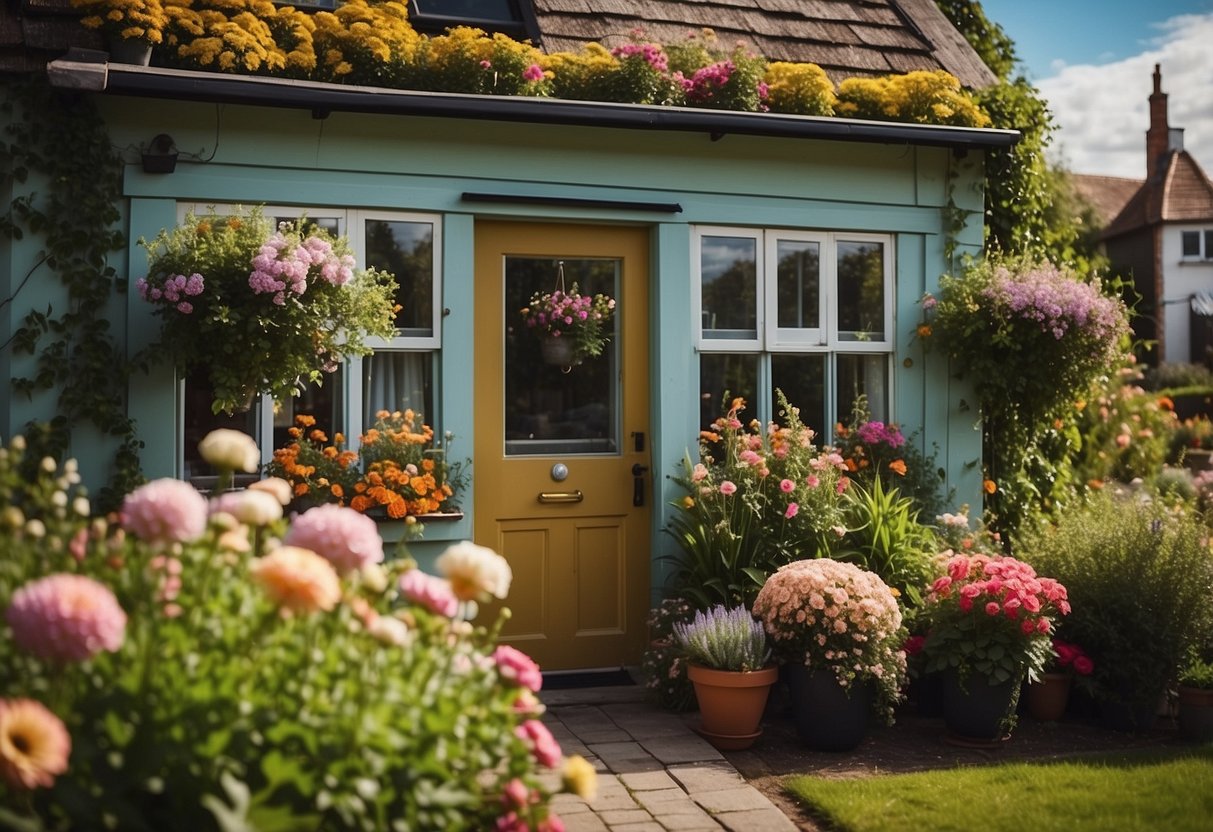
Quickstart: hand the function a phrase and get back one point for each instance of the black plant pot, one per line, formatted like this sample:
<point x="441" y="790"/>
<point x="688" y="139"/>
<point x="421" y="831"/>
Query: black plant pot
<point x="828" y="716"/>
<point x="976" y="710"/>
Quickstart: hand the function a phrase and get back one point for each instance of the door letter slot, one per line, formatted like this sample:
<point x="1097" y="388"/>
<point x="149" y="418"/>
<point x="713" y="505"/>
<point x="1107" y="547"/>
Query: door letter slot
<point x="561" y="496"/>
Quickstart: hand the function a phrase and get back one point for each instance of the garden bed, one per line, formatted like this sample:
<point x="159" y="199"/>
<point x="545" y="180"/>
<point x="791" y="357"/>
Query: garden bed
<point x="919" y="743"/>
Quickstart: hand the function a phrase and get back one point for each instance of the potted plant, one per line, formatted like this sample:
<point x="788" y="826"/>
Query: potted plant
<point x="727" y="654"/>
<point x="838" y="629"/>
<point x="261" y="310"/>
<point x="132" y="27"/>
<point x="989" y="622"/>
<point x="1196" y="700"/>
<point x="397" y="472"/>
<point x="1048" y="696"/>
<point x="572" y="326"/>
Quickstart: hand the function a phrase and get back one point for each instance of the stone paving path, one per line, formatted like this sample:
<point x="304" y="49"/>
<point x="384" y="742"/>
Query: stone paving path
<point x="654" y="772"/>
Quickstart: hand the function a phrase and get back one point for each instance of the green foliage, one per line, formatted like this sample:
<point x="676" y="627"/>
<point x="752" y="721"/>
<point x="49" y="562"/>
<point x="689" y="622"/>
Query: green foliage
<point x="634" y="73"/>
<point x="274" y="336"/>
<point x="884" y="536"/>
<point x="1197" y="673"/>
<point x="989" y="40"/>
<point x="64" y="141"/>
<point x="724" y="639"/>
<point x="220" y="709"/>
<point x="664" y="664"/>
<point x="1140" y="579"/>
<point x="757" y="500"/>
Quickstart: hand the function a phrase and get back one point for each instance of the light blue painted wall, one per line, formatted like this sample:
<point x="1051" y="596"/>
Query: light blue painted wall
<point x="243" y="154"/>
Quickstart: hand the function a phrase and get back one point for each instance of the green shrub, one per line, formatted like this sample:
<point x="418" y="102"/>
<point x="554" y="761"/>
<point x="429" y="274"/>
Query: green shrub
<point x="1140" y="580"/>
<point x="885" y="537"/>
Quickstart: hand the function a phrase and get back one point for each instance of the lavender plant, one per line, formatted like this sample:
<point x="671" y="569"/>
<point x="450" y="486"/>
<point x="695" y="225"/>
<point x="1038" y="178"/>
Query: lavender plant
<point x="724" y="639"/>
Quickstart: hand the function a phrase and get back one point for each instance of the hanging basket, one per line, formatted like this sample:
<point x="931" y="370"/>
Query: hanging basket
<point x="558" y="352"/>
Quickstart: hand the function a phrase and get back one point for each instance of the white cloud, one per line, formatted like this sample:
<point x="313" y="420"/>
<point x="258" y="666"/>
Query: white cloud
<point x="1103" y="113"/>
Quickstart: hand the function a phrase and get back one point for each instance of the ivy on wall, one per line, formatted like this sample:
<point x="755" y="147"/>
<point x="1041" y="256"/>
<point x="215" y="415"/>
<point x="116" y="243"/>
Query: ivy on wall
<point x="63" y="139"/>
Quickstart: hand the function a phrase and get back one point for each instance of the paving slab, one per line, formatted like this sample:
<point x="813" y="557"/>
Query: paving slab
<point x="732" y="800"/>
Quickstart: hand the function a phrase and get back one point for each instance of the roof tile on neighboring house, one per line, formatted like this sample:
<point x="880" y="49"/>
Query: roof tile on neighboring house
<point x="843" y="37"/>
<point x="1182" y="194"/>
<point x="1107" y="195"/>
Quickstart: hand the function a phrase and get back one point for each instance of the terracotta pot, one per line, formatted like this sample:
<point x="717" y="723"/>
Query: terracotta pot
<point x="1047" y="699"/>
<point x="731" y="704"/>
<point x="1196" y="713"/>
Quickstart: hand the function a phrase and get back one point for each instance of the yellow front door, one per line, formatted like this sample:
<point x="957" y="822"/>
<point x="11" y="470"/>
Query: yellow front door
<point x="562" y="453"/>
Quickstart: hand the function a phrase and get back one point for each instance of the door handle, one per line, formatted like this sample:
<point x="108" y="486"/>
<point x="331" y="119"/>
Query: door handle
<point x="561" y="496"/>
<point x="638" y="472"/>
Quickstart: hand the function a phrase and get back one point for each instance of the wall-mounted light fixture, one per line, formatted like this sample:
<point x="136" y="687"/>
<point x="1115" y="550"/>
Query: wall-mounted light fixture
<point x="161" y="155"/>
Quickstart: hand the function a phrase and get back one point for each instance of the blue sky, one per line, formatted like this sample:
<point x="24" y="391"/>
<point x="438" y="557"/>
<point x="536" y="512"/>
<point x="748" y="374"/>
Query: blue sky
<point x="1092" y="60"/>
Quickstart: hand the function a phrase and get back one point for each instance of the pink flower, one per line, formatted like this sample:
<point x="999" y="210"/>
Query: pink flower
<point x="727" y="488"/>
<point x="66" y="617"/>
<point x="913" y="645"/>
<point x="518" y="667"/>
<point x="430" y="591"/>
<point x="34" y="744"/>
<point x="699" y="472"/>
<point x="534" y="72"/>
<point x="165" y="511"/>
<point x="1083" y="666"/>
<point x="812" y="481"/>
<point x="792" y="510"/>
<point x="346" y="538"/>
<point x="992" y="608"/>
<point x="539" y="739"/>
<point x="787" y="486"/>
<point x="515" y="794"/>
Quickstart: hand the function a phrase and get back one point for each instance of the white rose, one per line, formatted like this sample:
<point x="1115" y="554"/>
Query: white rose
<point x="230" y="450"/>
<point x="475" y="571"/>
<point x="390" y="630"/>
<point x="253" y="508"/>
<point x="280" y="488"/>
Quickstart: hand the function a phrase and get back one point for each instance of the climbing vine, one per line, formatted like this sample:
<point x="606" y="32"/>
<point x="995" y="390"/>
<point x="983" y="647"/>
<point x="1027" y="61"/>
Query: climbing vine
<point x="62" y="140"/>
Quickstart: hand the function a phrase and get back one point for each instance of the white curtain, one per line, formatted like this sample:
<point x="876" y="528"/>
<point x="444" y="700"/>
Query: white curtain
<point x="396" y="381"/>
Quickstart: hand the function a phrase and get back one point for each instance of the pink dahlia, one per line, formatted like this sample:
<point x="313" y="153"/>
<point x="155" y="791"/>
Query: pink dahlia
<point x="539" y="739"/>
<point x="66" y="618"/>
<point x="518" y="667"/>
<point x="347" y="539"/>
<point x="165" y="511"/>
<point x="430" y="591"/>
<point x="34" y="744"/>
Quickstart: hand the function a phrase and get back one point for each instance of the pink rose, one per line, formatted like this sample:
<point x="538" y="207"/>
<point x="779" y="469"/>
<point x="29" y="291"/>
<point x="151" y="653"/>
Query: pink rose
<point x="1083" y="666"/>
<point x="727" y="488"/>
<point x="992" y="608"/>
<point x="518" y="667"/>
<point x="792" y="510"/>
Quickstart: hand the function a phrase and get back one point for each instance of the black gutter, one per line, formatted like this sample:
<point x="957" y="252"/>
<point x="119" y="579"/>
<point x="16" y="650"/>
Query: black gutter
<point x="81" y="70"/>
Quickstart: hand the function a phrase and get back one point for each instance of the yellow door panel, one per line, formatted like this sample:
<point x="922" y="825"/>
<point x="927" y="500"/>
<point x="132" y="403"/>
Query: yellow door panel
<point x="555" y="446"/>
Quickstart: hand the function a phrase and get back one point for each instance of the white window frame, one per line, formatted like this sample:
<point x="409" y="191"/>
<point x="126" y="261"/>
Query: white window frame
<point x="771" y="339"/>
<point x="351" y="223"/>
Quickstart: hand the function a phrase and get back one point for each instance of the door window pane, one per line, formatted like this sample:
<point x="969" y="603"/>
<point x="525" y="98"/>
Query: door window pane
<point x="549" y="408"/>
<point x="802" y="378"/>
<point x="406" y="249"/>
<point x="861" y="291"/>
<point x="1209" y="245"/>
<point x="724" y="375"/>
<point x="398" y="381"/>
<point x="798" y="279"/>
<point x="728" y="269"/>
<point x="862" y="375"/>
<point x="324" y="402"/>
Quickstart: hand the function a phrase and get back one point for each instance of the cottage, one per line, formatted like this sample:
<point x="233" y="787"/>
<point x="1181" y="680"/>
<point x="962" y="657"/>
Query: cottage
<point x="747" y="252"/>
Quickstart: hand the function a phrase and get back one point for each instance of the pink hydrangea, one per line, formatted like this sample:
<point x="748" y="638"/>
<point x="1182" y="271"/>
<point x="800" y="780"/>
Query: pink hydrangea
<point x="518" y="667"/>
<point x="347" y="539"/>
<point x="65" y="617"/>
<point x="165" y="511"/>
<point x="539" y="739"/>
<point x="430" y="591"/>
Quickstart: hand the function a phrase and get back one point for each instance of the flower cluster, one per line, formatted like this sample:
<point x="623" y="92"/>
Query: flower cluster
<point x="664" y="665"/>
<point x="1071" y="657"/>
<point x="830" y="615"/>
<point x="991" y="615"/>
<point x="724" y="639"/>
<point x="923" y="97"/>
<point x="803" y="89"/>
<point x="307" y="671"/>
<point x="760" y="497"/>
<point x="585" y="320"/>
<point x="259" y="310"/>
<point x="143" y="20"/>
<point x="396" y="468"/>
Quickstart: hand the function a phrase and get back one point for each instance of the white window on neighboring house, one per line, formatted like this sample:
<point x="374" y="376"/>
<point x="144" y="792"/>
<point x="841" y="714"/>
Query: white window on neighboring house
<point x="1197" y="245"/>
<point x="398" y="376"/>
<point x="806" y="312"/>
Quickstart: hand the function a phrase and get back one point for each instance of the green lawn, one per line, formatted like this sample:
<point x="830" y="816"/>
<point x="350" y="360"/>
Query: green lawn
<point x="1156" y="789"/>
